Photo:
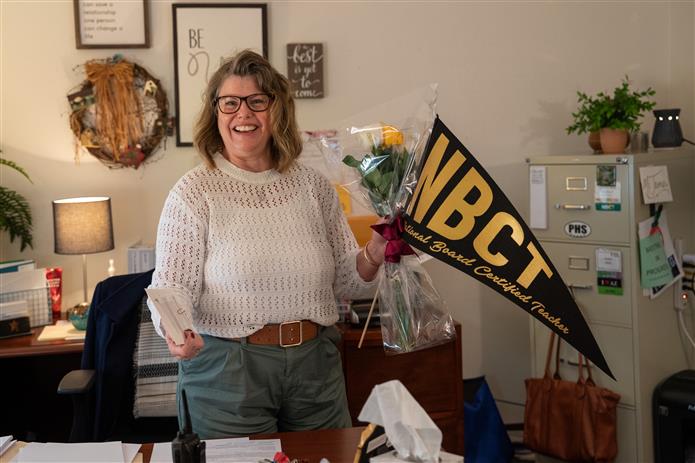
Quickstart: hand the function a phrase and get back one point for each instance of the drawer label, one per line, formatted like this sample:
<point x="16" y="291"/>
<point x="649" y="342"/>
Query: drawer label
<point x="577" y="229"/>
<point x="607" y="198"/>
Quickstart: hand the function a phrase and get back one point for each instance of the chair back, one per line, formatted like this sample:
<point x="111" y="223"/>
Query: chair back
<point x="156" y="371"/>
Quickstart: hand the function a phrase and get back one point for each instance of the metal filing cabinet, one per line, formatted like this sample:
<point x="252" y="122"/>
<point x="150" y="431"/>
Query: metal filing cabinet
<point x="572" y="217"/>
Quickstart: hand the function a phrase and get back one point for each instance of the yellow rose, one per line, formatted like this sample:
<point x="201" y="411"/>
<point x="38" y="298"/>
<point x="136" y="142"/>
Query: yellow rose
<point x="391" y="136"/>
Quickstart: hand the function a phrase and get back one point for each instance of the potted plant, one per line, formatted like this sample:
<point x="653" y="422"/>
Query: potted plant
<point x="15" y="214"/>
<point x="612" y="116"/>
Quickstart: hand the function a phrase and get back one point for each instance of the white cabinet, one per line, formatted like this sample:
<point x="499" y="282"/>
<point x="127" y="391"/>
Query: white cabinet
<point x="638" y="336"/>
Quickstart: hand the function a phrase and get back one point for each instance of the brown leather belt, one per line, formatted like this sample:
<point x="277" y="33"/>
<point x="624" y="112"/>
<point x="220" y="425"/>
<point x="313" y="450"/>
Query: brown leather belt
<point x="286" y="334"/>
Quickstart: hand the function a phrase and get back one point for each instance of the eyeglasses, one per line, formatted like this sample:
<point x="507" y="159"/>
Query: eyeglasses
<point x="256" y="102"/>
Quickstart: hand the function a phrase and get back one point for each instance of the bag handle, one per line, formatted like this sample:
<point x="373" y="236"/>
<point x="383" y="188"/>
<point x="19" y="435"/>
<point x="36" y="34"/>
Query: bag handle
<point x="584" y="364"/>
<point x="549" y="356"/>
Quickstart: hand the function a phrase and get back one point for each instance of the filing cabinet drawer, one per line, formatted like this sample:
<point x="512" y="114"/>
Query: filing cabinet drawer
<point x="577" y="267"/>
<point x="571" y="199"/>
<point x="616" y="345"/>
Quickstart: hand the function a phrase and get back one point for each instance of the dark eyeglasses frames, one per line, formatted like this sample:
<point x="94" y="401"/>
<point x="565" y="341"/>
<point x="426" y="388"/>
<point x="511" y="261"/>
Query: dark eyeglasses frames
<point x="257" y="102"/>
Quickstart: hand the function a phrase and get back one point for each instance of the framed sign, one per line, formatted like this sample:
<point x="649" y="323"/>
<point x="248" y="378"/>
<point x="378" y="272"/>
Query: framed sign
<point x="305" y="69"/>
<point x="204" y="35"/>
<point x="114" y="24"/>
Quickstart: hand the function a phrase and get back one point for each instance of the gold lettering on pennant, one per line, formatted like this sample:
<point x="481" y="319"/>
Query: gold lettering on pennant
<point x="534" y="267"/>
<point x="506" y="285"/>
<point x="441" y="247"/>
<point x="454" y="206"/>
<point x="418" y="236"/>
<point x="543" y="312"/>
<point x="492" y="229"/>
<point x="431" y="184"/>
<point x="455" y="202"/>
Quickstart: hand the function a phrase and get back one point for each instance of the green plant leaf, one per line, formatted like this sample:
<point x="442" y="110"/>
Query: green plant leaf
<point x="11" y="164"/>
<point x="621" y="110"/>
<point x="15" y="217"/>
<point x="351" y="161"/>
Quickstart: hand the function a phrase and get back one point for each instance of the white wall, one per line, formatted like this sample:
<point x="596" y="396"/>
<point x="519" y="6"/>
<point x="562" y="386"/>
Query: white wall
<point x="508" y="73"/>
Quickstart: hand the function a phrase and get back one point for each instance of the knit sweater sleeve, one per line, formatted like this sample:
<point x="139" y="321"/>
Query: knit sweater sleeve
<point x="180" y="250"/>
<point x="348" y="283"/>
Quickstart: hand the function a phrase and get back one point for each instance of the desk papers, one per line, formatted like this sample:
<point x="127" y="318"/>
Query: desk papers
<point x="237" y="450"/>
<point x="5" y="443"/>
<point x="63" y="329"/>
<point x="91" y="452"/>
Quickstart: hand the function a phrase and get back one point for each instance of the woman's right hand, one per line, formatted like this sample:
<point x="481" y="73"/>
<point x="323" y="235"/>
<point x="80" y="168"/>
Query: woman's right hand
<point x="192" y="344"/>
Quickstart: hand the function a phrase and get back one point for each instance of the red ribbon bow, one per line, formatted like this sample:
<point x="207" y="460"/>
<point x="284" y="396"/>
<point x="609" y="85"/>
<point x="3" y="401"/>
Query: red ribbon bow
<point x="395" y="246"/>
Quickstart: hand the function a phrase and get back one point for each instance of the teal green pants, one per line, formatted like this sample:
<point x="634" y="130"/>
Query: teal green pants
<point x="236" y="389"/>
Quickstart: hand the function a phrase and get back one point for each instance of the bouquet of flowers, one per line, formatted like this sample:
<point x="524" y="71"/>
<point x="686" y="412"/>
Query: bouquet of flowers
<point x="382" y="160"/>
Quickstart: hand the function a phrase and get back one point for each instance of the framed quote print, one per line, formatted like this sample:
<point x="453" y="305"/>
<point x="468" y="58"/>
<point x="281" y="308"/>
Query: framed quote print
<point x="112" y="24"/>
<point x="204" y="35"/>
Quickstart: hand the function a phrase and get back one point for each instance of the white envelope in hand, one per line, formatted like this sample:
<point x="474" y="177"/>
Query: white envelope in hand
<point x="411" y="431"/>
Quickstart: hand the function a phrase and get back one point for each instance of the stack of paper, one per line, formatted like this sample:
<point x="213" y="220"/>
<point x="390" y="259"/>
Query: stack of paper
<point x="5" y="443"/>
<point x="235" y="450"/>
<point x="107" y="452"/>
<point x="17" y="265"/>
<point x="23" y="281"/>
<point x="63" y="329"/>
<point x="14" y="309"/>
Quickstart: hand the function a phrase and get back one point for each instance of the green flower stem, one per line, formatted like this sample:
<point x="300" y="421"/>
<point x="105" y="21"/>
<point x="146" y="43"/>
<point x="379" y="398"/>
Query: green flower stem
<point x="401" y="315"/>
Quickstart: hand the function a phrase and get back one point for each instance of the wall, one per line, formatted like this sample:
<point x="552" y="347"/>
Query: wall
<point x="508" y="73"/>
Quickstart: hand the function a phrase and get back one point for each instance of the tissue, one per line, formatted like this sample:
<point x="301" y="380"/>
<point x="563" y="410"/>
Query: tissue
<point x="411" y="431"/>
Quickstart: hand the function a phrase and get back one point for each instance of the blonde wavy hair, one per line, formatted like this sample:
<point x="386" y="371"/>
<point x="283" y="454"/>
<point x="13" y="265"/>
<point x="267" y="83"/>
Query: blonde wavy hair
<point x="285" y="142"/>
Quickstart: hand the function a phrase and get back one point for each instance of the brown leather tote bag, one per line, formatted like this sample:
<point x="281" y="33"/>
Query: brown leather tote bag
<point x="574" y="421"/>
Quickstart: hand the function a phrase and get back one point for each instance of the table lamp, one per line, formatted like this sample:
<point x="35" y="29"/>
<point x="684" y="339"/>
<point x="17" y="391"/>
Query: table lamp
<point x="82" y="226"/>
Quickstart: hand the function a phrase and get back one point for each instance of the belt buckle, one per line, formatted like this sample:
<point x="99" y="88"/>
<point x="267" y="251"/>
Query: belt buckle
<point x="301" y="336"/>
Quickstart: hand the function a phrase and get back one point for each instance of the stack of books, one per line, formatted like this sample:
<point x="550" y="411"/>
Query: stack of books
<point x="17" y="265"/>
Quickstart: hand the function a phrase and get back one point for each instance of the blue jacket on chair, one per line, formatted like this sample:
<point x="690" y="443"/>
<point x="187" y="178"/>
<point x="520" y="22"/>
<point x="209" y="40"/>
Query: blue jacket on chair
<point x="109" y="345"/>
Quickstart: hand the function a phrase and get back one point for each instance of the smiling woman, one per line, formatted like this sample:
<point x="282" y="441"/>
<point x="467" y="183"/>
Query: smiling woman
<point x="245" y="131"/>
<point x="262" y="354"/>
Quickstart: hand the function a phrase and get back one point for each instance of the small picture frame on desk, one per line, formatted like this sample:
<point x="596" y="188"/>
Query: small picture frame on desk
<point x="112" y="24"/>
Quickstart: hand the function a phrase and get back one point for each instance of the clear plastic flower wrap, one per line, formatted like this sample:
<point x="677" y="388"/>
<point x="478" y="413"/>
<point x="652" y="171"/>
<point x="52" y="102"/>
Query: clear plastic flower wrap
<point x="382" y="160"/>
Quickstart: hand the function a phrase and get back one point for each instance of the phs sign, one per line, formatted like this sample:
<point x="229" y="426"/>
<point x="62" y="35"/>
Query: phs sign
<point x="460" y="216"/>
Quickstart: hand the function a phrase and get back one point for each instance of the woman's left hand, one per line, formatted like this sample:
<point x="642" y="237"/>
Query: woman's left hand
<point x="377" y="244"/>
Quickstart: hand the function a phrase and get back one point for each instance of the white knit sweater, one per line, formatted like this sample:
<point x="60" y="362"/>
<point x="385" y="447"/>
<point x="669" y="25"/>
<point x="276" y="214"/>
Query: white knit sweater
<point x="244" y="249"/>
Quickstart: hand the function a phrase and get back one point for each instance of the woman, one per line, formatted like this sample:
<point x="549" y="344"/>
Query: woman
<point x="258" y="249"/>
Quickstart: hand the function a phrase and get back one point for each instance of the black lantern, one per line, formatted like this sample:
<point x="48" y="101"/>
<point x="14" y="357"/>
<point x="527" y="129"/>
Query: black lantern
<point x="667" y="129"/>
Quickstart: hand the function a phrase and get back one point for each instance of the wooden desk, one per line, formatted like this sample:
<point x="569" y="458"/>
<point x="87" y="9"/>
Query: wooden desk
<point x="31" y="371"/>
<point x="337" y="445"/>
<point x="28" y="345"/>
<point x="432" y="376"/>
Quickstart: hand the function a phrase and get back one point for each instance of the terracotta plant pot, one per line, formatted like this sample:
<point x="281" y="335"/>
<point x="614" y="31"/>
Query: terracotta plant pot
<point x="595" y="142"/>
<point x="613" y="141"/>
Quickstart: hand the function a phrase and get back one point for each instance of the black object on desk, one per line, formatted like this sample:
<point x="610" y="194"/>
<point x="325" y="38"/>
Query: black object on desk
<point x="187" y="446"/>
<point x="14" y="327"/>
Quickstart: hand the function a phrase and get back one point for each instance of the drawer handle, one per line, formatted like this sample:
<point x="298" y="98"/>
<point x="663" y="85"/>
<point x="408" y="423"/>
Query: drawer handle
<point x="569" y="362"/>
<point x="573" y="207"/>
<point x="579" y="286"/>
